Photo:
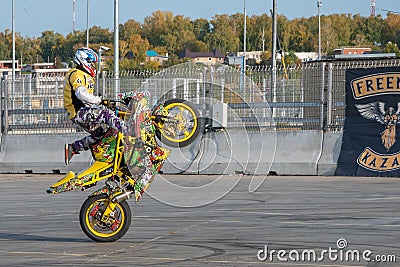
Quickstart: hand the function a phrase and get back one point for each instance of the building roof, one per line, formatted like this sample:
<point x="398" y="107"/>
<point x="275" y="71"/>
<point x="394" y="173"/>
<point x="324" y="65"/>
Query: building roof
<point x="186" y="53"/>
<point x="151" y="53"/>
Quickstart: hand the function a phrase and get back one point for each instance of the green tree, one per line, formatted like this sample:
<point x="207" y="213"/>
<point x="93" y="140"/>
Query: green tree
<point x="30" y="51"/>
<point x="73" y="41"/>
<point x="201" y="28"/>
<point x="291" y="58"/>
<point x="265" y="58"/>
<point x="152" y="65"/>
<point x="166" y="33"/>
<point x="391" y="30"/>
<point x="6" y="44"/>
<point x="282" y="25"/>
<point x="223" y="35"/>
<point x="130" y="28"/>
<point x="259" y="30"/>
<point x="392" y="48"/>
<point x="50" y="45"/>
<point x="98" y="35"/>
<point x="179" y="35"/>
<point x="157" y="25"/>
<point x="296" y="33"/>
<point x="138" y="46"/>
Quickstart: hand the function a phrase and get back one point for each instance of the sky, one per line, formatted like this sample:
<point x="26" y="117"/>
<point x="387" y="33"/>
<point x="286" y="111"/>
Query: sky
<point x="32" y="17"/>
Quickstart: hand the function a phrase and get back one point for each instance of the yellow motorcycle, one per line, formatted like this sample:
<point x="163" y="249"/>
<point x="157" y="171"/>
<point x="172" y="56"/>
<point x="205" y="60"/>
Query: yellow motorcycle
<point x="128" y="162"/>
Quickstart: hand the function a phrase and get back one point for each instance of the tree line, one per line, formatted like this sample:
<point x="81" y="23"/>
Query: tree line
<point x="165" y="32"/>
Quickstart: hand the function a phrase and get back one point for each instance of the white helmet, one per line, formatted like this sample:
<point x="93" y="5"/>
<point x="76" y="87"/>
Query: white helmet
<point x="86" y="58"/>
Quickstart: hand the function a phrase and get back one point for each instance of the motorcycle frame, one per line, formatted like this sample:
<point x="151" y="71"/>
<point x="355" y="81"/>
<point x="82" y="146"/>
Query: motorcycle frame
<point x="99" y="171"/>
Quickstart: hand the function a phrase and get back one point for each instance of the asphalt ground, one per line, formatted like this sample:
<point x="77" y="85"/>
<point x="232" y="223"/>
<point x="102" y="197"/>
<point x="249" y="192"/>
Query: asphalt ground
<point x="285" y="223"/>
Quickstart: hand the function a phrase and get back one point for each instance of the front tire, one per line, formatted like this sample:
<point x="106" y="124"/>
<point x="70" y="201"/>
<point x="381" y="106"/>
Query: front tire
<point x="111" y="230"/>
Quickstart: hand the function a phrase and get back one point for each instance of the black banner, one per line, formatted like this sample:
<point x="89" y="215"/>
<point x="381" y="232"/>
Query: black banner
<point x="371" y="138"/>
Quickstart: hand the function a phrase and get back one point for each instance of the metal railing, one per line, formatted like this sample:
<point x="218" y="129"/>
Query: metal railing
<point x="306" y="97"/>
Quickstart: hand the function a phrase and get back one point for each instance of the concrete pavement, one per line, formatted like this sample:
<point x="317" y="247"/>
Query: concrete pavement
<point x="298" y="216"/>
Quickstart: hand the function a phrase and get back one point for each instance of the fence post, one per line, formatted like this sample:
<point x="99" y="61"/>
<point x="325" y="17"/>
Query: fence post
<point x="2" y="85"/>
<point x="322" y="87"/>
<point x="329" y="94"/>
<point x="103" y="82"/>
<point x="30" y="100"/>
<point x="5" y="109"/>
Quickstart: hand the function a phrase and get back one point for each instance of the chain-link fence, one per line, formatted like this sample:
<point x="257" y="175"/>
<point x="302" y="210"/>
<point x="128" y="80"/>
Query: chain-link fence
<point x="306" y="97"/>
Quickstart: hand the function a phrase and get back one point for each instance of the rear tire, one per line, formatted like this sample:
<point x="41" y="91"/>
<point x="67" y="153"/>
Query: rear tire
<point x="188" y="128"/>
<point x="115" y="228"/>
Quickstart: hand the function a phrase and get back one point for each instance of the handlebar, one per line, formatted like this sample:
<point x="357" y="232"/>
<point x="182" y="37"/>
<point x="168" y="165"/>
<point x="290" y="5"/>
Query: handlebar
<point x="112" y="104"/>
<point x="122" y="113"/>
<point x="109" y="103"/>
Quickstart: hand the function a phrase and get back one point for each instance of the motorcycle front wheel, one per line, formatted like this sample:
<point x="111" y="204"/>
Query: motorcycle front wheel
<point x="111" y="230"/>
<point x="182" y="126"/>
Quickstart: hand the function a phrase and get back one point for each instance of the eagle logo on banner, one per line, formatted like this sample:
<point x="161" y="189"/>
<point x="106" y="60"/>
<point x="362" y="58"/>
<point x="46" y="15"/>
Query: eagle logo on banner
<point x="388" y="117"/>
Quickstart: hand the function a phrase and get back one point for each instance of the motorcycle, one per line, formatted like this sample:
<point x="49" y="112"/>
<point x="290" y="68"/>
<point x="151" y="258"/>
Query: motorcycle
<point x="128" y="162"/>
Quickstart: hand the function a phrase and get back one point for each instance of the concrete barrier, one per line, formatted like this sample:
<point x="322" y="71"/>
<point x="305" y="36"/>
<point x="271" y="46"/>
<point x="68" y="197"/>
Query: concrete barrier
<point x="39" y="154"/>
<point x="281" y="153"/>
<point x="225" y="153"/>
<point x="297" y="153"/>
<point x="332" y="145"/>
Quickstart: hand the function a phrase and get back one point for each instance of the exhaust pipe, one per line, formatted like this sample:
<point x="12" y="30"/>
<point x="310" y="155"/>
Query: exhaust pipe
<point x="123" y="196"/>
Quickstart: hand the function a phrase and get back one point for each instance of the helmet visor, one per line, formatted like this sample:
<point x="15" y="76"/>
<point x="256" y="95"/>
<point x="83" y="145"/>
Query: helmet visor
<point x="93" y="64"/>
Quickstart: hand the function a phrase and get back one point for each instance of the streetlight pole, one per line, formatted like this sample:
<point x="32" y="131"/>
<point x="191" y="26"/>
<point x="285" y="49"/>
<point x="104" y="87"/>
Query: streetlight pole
<point x="274" y="39"/>
<point x="87" y="23"/>
<point x="13" y="45"/>
<point x="101" y="49"/>
<point x="319" y="4"/>
<point x="244" y="38"/>
<point x="6" y="93"/>
<point x="116" y="49"/>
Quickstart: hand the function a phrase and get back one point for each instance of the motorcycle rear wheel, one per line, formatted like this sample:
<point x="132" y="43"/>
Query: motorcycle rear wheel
<point x="182" y="126"/>
<point x="115" y="227"/>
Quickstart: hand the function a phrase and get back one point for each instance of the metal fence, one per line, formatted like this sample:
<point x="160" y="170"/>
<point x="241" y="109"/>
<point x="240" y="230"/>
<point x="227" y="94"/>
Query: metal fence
<point x="306" y="97"/>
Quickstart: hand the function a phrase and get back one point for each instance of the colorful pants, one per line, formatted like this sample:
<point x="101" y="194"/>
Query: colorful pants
<point x="91" y="119"/>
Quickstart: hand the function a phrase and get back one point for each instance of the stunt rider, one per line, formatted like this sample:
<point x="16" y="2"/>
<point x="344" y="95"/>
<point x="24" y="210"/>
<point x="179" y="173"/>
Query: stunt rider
<point x="82" y="106"/>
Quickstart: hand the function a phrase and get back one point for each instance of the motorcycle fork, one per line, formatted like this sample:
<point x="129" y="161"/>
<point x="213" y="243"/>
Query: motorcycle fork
<point x="108" y="211"/>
